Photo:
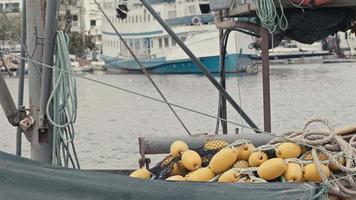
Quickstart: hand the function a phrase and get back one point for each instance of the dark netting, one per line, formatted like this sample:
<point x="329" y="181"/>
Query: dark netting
<point x="312" y="25"/>
<point x="171" y="166"/>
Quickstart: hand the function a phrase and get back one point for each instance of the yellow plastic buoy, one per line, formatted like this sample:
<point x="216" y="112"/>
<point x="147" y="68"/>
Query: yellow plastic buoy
<point x="244" y="151"/>
<point x="230" y="176"/>
<point x="142" y="173"/>
<point x="288" y="150"/>
<point x="311" y="173"/>
<point x="333" y="167"/>
<point x="242" y="164"/>
<point x="201" y="175"/>
<point x="191" y="160"/>
<point x="178" y="147"/>
<point x="294" y="172"/>
<point x="309" y="156"/>
<point x="272" y="169"/>
<point x="176" y="178"/>
<point x="257" y="158"/>
<point x="223" y="160"/>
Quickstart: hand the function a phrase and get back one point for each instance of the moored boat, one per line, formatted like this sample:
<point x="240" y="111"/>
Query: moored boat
<point x="159" y="53"/>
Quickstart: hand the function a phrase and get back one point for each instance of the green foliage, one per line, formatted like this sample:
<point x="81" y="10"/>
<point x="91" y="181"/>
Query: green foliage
<point x="11" y="31"/>
<point x="76" y="45"/>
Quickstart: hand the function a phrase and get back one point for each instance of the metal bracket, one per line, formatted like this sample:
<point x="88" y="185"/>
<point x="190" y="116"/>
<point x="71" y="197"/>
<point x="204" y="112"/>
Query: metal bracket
<point x="16" y="118"/>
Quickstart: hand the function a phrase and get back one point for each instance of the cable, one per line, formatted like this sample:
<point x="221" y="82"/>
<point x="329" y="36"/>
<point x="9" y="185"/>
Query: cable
<point x="142" y="67"/>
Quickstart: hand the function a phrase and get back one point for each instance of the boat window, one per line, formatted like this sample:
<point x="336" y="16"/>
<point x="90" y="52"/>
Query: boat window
<point x="149" y="17"/>
<point x="166" y="42"/>
<point x="204" y="8"/>
<point x="160" y="43"/>
<point x="173" y="42"/>
<point x="136" y="18"/>
<point x="144" y="17"/>
<point x="140" y="18"/>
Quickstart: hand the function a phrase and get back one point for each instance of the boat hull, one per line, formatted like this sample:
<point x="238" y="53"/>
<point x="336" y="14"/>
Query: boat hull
<point x="234" y="63"/>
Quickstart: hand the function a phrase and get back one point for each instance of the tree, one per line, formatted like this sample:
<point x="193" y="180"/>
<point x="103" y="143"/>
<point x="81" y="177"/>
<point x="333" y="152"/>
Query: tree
<point x="10" y="32"/>
<point x="76" y="45"/>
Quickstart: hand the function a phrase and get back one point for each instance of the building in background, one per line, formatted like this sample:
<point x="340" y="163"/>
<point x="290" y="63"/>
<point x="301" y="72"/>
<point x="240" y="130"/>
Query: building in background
<point x="85" y="19"/>
<point x="11" y="6"/>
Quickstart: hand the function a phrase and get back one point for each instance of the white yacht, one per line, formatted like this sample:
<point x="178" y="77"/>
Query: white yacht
<point x="192" y="20"/>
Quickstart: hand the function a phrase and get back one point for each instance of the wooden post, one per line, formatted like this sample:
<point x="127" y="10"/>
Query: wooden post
<point x="41" y="148"/>
<point x="266" y="80"/>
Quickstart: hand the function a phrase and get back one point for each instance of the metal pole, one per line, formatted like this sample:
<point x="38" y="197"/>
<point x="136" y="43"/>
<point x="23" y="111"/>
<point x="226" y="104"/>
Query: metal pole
<point x="21" y="77"/>
<point x="7" y="102"/>
<point x="41" y="149"/>
<point x="223" y="113"/>
<point x="265" y="79"/>
<point x="197" y="63"/>
<point x="48" y="56"/>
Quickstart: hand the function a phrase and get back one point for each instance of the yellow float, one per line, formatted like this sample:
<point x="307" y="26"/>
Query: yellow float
<point x="191" y="160"/>
<point x="176" y="178"/>
<point x="244" y="151"/>
<point x="201" y="175"/>
<point x="178" y="147"/>
<point x="294" y="172"/>
<point x="223" y="160"/>
<point x="272" y="169"/>
<point x="288" y="150"/>
<point x="311" y="173"/>
<point x="257" y="158"/>
<point x="142" y="173"/>
<point x="230" y="176"/>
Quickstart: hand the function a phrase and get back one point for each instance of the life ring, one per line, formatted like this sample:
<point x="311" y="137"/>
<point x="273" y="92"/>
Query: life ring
<point x="196" y="20"/>
<point x="311" y="2"/>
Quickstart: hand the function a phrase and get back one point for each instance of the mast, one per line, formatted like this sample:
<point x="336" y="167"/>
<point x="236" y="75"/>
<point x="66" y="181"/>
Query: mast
<point x="41" y="43"/>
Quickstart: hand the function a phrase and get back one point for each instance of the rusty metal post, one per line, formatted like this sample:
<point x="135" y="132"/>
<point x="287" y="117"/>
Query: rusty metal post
<point x="41" y="148"/>
<point x="266" y="79"/>
<point x="7" y="102"/>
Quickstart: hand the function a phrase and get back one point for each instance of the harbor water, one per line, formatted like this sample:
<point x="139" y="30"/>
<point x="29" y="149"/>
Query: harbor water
<point x="110" y="121"/>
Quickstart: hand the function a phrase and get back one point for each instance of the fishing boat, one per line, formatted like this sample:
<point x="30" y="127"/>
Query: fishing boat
<point x="159" y="53"/>
<point x="27" y="179"/>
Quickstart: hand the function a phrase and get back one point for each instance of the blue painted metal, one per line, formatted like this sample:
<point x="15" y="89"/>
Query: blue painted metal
<point x="135" y="34"/>
<point x="234" y="63"/>
<point x="188" y="20"/>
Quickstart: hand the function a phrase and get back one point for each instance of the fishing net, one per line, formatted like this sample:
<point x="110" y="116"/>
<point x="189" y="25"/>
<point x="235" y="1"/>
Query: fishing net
<point x="311" y="25"/>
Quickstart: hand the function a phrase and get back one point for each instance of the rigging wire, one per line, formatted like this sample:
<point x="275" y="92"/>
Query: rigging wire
<point x="258" y="131"/>
<point x="142" y="67"/>
<point x="238" y="79"/>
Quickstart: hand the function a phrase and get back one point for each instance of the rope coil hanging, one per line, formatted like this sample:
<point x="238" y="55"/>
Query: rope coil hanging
<point x="63" y="104"/>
